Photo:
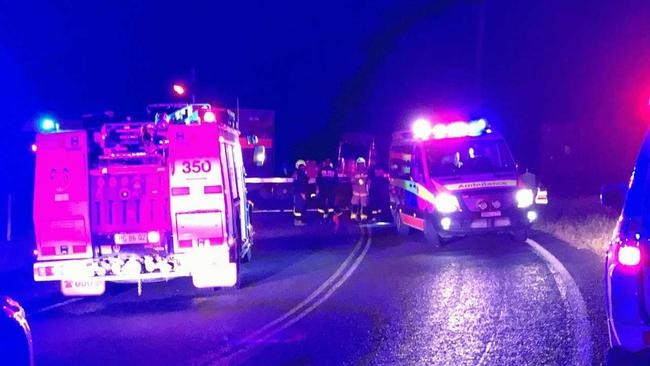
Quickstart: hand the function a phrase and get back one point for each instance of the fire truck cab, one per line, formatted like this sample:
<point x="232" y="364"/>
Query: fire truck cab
<point x="456" y="179"/>
<point x="142" y="201"/>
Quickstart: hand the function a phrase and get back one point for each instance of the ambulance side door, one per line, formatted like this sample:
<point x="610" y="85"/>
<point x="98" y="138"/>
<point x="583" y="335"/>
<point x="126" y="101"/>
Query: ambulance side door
<point x="400" y="175"/>
<point x="413" y="201"/>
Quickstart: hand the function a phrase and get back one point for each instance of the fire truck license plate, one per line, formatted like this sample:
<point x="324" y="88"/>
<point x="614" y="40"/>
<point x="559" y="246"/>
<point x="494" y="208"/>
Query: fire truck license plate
<point x="491" y="214"/>
<point x="130" y="238"/>
<point x="83" y="287"/>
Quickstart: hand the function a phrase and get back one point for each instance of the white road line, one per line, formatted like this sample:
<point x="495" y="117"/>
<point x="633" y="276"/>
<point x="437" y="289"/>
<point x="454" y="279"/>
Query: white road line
<point x="257" y="336"/>
<point x="315" y="305"/>
<point x="59" y="304"/>
<point x="575" y="304"/>
<point x="329" y="293"/>
<point x="312" y="296"/>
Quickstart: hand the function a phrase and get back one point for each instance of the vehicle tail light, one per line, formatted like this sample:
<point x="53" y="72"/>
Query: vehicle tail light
<point x="212" y="189"/>
<point x="629" y="255"/>
<point x="180" y="191"/>
<point x="44" y="271"/>
<point x="216" y="241"/>
<point x="79" y="249"/>
<point x="48" y="251"/>
<point x="185" y="243"/>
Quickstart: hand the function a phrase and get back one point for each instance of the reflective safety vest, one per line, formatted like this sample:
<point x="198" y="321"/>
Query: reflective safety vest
<point x="360" y="183"/>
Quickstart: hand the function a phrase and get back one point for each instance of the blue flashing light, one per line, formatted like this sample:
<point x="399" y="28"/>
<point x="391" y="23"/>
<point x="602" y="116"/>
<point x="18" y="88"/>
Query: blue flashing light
<point x="48" y="125"/>
<point x="476" y="128"/>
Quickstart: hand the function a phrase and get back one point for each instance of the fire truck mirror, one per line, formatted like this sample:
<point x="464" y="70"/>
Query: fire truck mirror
<point x="252" y="140"/>
<point x="259" y="155"/>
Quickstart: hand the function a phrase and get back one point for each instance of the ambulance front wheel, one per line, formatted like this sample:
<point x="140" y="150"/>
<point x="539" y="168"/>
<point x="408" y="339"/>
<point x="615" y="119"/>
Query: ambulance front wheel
<point x="431" y="234"/>
<point x="402" y="229"/>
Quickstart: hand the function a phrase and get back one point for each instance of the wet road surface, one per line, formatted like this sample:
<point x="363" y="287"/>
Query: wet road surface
<point x="361" y="296"/>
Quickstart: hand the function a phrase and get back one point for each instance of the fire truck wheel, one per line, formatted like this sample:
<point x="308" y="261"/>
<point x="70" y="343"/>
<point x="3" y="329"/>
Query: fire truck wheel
<point x="520" y="234"/>
<point x="431" y="235"/>
<point x="402" y="229"/>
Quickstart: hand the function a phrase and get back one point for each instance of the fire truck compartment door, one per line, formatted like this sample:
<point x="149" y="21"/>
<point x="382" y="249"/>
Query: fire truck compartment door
<point x="200" y="225"/>
<point x="196" y="183"/>
<point x="61" y="212"/>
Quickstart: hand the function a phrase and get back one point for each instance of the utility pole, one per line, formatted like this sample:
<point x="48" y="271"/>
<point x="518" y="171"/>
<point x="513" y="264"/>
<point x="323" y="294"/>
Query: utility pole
<point x="480" y="39"/>
<point x="9" y="210"/>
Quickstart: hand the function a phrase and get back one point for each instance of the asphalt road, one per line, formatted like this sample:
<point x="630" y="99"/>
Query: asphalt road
<point x="362" y="296"/>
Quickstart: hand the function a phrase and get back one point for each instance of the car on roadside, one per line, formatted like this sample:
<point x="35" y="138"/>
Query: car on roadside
<point x="15" y="335"/>
<point x="627" y="266"/>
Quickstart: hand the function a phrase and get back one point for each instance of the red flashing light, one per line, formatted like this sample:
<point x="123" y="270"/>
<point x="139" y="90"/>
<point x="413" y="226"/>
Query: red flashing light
<point x="439" y="131"/>
<point x="34" y="147"/>
<point x="179" y="89"/>
<point x="422" y="129"/>
<point x="629" y="255"/>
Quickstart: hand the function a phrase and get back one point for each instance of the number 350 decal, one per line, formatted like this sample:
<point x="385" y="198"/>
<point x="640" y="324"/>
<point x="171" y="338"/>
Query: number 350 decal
<point x="196" y="166"/>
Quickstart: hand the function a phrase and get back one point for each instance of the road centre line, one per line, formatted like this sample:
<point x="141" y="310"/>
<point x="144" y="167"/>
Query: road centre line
<point x="333" y="283"/>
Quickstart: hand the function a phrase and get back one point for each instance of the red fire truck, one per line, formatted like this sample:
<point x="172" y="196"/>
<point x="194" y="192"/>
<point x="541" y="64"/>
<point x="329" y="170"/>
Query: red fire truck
<point x="142" y="201"/>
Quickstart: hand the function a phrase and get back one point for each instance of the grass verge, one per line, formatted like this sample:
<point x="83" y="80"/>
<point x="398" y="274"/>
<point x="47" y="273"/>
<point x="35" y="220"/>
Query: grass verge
<point x="582" y="222"/>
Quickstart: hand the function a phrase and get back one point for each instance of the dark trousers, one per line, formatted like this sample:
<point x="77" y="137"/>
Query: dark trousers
<point x="299" y="206"/>
<point x="327" y="201"/>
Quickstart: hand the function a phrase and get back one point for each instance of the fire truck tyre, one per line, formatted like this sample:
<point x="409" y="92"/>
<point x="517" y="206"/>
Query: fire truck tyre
<point x="431" y="235"/>
<point x="520" y="234"/>
<point x="402" y="229"/>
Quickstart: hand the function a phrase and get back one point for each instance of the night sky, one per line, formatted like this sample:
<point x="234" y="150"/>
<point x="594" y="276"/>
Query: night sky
<point x="343" y="65"/>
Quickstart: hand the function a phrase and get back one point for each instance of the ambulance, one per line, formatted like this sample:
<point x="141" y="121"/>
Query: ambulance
<point x="146" y="201"/>
<point x="456" y="179"/>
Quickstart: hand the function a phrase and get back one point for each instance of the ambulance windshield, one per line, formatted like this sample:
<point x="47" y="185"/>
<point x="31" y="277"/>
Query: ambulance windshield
<point x="456" y="157"/>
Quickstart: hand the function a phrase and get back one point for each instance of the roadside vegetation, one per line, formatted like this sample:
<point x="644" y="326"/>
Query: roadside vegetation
<point x="582" y="222"/>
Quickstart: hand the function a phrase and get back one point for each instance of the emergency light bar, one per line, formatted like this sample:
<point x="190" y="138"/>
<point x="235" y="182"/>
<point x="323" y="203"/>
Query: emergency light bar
<point x="423" y="130"/>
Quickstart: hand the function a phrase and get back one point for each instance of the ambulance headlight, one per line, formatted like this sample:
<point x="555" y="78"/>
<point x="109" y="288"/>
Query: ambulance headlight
<point x="446" y="203"/>
<point x="525" y="198"/>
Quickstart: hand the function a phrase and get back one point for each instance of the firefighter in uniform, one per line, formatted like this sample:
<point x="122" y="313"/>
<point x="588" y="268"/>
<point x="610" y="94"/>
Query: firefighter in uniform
<point x="300" y="188"/>
<point x="360" y="191"/>
<point x="378" y="193"/>
<point x="326" y="183"/>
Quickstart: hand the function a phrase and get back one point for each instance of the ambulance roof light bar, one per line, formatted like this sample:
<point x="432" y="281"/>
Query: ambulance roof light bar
<point x="423" y="130"/>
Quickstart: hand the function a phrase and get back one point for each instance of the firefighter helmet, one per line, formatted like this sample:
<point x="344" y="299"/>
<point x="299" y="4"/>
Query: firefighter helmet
<point x="361" y="160"/>
<point x="300" y="162"/>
